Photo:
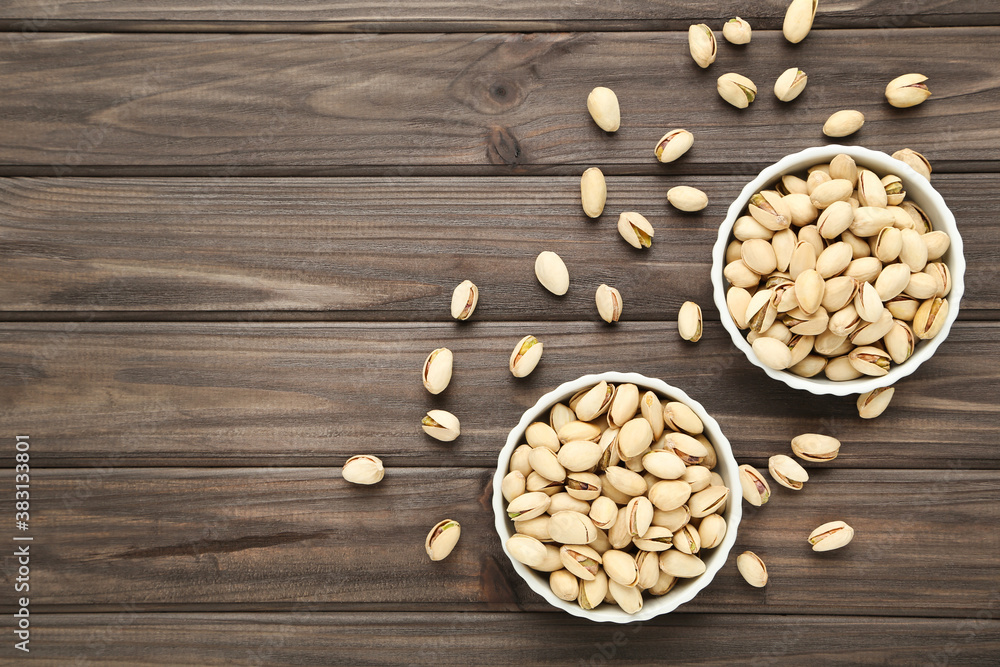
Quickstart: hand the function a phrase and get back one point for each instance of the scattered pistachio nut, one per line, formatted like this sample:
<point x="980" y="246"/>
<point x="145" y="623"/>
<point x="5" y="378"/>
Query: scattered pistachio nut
<point x="602" y="103"/>
<point x="464" y="300"/>
<point x="799" y="19"/>
<point x="635" y="229"/>
<point x="736" y="89"/>
<point x="363" y="469"/>
<point x="873" y="403"/>
<point x="689" y="321"/>
<point x="688" y="199"/>
<point x="442" y="539"/>
<point x="815" y="447"/>
<point x="756" y="490"/>
<point x="832" y="535"/>
<point x="593" y="192"/>
<point x="701" y="42"/>
<point x="787" y="472"/>
<point x="790" y="84"/>
<point x="673" y="144"/>
<point x="843" y="123"/>
<point x="906" y="91"/>
<point x="737" y="31"/>
<point x="609" y="303"/>
<point x="526" y="355"/>
<point x="441" y="425"/>
<point x="752" y="568"/>
<point x="437" y="370"/>
<point x="552" y="273"/>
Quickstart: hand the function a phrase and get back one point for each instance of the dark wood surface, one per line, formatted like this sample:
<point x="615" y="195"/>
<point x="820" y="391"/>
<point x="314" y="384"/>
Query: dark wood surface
<point x="228" y="242"/>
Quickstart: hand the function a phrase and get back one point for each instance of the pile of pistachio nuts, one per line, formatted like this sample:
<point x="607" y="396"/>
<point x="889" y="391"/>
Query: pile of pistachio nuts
<point x="615" y="496"/>
<point x="835" y="271"/>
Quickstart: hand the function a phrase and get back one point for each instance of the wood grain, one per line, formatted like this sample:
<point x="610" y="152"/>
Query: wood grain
<point x="279" y="538"/>
<point x="400" y="104"/>
<point x="379" y="248"/>
<point x="309" y="394"/>
<point x="322" y="638"/>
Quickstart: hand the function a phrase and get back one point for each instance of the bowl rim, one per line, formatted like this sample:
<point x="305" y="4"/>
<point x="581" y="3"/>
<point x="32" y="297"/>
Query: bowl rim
<point x="727" y="460"/>
<point x="864" y="156"/>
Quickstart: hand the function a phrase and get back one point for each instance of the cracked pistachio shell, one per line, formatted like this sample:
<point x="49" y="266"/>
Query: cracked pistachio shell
<point x="900" y="341"/>
<point x="737" y="31"/>
<point x="664" y="464"/>
<point x="801" y="323"/>
<point x="870" y="360"/>
<point x="906" y="91"/>
<point x="648" y="564"/>
<point x="629" y="598"/>
<point x="603" y="512"/>
<point x="688" y="199"/>
<point x="843" y="123"/>
<point x="809" y="367"/>
<point x="844" y="166"/>
<point x="535" y="483"/>
<point x="628" y="482"/>
<point x="560" y="415"/>
<point x="815" y="447"/>
<point x="656" y="538"/>
<point x="687" y="448"/>
<point x="868" y="304"/>
<point x="664" y="584"/>
<point x="790" y="84"/>
<point x="546" y="463"/>
<point x="800" y="347"/>
<point x="680" y="417"/>
<point x="740" y="275"/>
<point x="892" y="281"/>
<point x="687" y="540"/>
<point x="442" y="539"/>
<point x="624" y="405"/>
<point x="519" y="460"/>
<point x="835" y="219"/>
<point x="564" y="501"/>
<point x="759" y="255"/>
<point x="752" y="568"/>
<point x="771" y="210"/>
<point x="809" y="289"/>
<point x="830" y="191"/>
<point x="635" y="229"/>
<point x="942" y="276"/>
<point x="712" y="458"/>
<point x="526" y="355"/>
<point x="816" y="179"/>
<point x="669" y="494"/>
<point x="681" y="565"/>
<point x="609" y="303"/>
<point x="711" y="531"/>
<point x="689" y="320"/>
<point x="441" y="425"/>
<point x="798" y="20"/>
<point x="832" y="535"/>
<point x="871" y="192"/>
<point x="363" y="469"/>
<point x="582" y="485"/>
<point x="870" y="334"/>
<point x="900" y="217"/>
<point x="746" y="228"/>
<point x="634" y="437"/>
<point x="620" y="567"/>
<point x="701" y="43"/>
<point x="843" y="323"/>
<point x="895" y="194"/>
<point x="699" y="477"/>
<point x="737" y="299"/>
<point x="903" y="307"/>
<point x="921" y="222"/>
<point x="761" y="311"/>
<point x="709" y="501"/>
<point x="873" y="403"/>
<point x="593" y="591"/>
<point x="528" y="506"/>
<point x="810" y="234"/>
<point x="593" y="192"/>
<point x="602" y="103"/>
<point x="840" y="369"/>
<point x="638" y="515"/>
<point x="930" y="318"/>
<point x="673" y="144"/>
<point x="736" y="89"/>
<point x="564" y="585"/>
<point x="787" y="472"/>
<point x="512" y="485"/>
<point x="619" y="535"/>
<point x="672" y="519"/>
<point x="526" y="549"/>
<point x="437" y="370"/>
<point x="772" y="353"/>
<point x="915" y="161"/>
<point x="579" y="456"/>
<point x="595" y="401"/>
<point x="756" y="490"/>
<point x="888" y="243"/>
<point x="464" y="300"/>
<point x="568" y="527"/>
<point x="913" y="251"/>
<point x="652" y="411"/>
<point x="579" y="430"/>
<point x="792" y="184"/>
<point x="937" y="244"/>
<point x="540" y="434"/>
<point x="921" y="286"/>
<point x="784" y="242"/>
<point x="551" y="272"/>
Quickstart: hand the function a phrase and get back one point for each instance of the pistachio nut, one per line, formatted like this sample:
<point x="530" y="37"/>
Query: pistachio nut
<point x="752" y="568"/>
<point x="680" y="417"/>
<point x="564" y="585"/>
<point x="546" y="463"/>
<point x="921" y="286"/>
<point x="602" y="103"/>
<point x="914" y="161"/>
<point x="761" y="311"/>
<point x="737" y="31"/>
<point x="701" y="42"/>
<point x="634" y="437"/>
<point x="673" y="144"/>
<point x="843" y="123"/>
<point x="804" y="324"/>
<point x="930" y="318"/>
<point x="687" y="540"/>
<point x="776" y="330"/>
<point x="442" y="539"/>
<point x="540" y="434"/>
<point x="535" y="483"/>
<point x="887" y="244"/>
<point x="942" y="277"/>
<point x="734" y="248"/>
<point x="873" y="403"/>
<point x="593" y="591"/>
<point x="908" y="90"/>
<point x="868" y="304"/>
<point x="772" y="353"/>
<point x="681" y="565"/>
<point x="815" y="447"/>
<point x="519" y="460"/>
<point x="913" y="251"/>
<point x="844" y="322"/>
<point x="560" y="415"/>
<point x="711" y="531"/>
<point x="552" y="273"/>
<point x="809" y="288"/>
<point x="832" y="535"/>
<point x="737" y="299"/>
<point x="664" y="464"/>
<point x="656" y="539"/>
<point x="816" y="179"/>
<point x="512" y="485"/>
<point x="870" y="360"/>
<point x="844" y="166"/>
<point x="736" y="89"/>
<point x="603" y="512"/>
<point x="708" y="501"/>
<point x="864" y="269"/>
<point x="893" y="189"/>
<point x="833" y="190"/>
<point x="624" y="405"/>
<point x="759" y="255"/>
<point x="688" y="449"/>
<point x="699" y="477"/>
<point x="437" y="370"/>
<point x="770" y="210"/>
<point x="810" y="366"/>
<point x="581" y="485"/>
<point x="712" y="458"/>
<point x="871" y="192"/>
<point x="635" y="229"/>
<point x="648" y="564"/>
<point x="900" y="341"/>
<point x="686" y="198"/>
<point x="620" y="567"/>
<point x="783" y="243"/>
<point x="787" y="472"/>
<point x="609" y="303"/>
<point x="790" y="84"/>
<point x="526" y="549"/>
<point x="869" y="220"/>
<point x="593" y="192"/>
<point x="552" y="560"/>
<point x="937" y="244"/>
<point x="582" y="561"/>
<point x="892" y="281"/>
<point x="639" y="515"/>
<point x="921" y="222"/>
<point x="803" y="258"/>
<point x="526" y="355"/>
<point x="629" y="598"/>
<point x="363" y="469"/>
<point x="619" y="535"/>
<point x="740" y="275"/>
<point x="528" y="506"/>
<point x="669" y="494"/>
<point x="609" y="446"/>
<point x="464" y="300"/>
<point x="569" y="527"/>
<point x="900" y="217"/>
<point x="672" y="519"/>
<point x="628" y="482"/>
<point x="903" y="307"/>
<point x="869" y="334"/>
<point x="798" y="19"/>
<point x="579" y="430"/>
<point x="664" y="584"/>
<point x="755" y="488"/>
<point x="810" y="234"/>
<point x="802" y="213"/>
<point x="800" y="347"/>
<point x="651" y="409"/>
<point x="537" y="528"/>
<point x="746" y="227"/>
<point x="565" y="501"/>
<point x="838" y="292"/>
<point x="689" y="321"/>
<point x="792" y="184"/>
<point x="840" y="369"/>
<point x="594" y="402"/>
<point x="860" y="247"/>
<point x="441" y="425"/>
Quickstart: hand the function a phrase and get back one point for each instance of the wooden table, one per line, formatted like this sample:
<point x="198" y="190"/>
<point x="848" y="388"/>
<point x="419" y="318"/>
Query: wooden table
<point x="230" y="231"/>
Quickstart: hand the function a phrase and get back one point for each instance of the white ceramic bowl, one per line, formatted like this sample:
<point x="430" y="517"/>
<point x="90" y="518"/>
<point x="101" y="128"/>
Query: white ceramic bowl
<point x="685" y="589"/>
<point x="918" y="190"/>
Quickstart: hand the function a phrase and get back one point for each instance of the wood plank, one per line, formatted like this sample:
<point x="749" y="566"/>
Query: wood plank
<point x="412" y="15"/>
<point x="319" y="638"/>
<point x="308" y="394"/>
<point x="378" y="248"/>
<point x="179" y="539"/>
<point x="178" y="104"/>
